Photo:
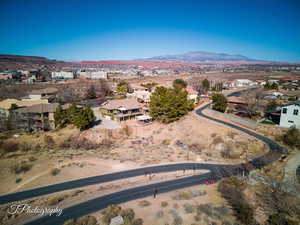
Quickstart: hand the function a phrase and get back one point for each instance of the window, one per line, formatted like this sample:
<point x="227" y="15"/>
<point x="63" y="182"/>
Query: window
<point x="284" y="110"/>
<point x="296" y="112"/>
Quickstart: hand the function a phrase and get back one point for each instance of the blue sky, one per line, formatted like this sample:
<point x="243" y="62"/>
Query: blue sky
<point x="128" y="29"/>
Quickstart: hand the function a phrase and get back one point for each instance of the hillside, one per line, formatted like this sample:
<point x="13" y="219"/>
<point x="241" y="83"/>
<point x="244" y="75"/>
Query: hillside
<point x="12" y="62"/>
<point x="199" y="56"/>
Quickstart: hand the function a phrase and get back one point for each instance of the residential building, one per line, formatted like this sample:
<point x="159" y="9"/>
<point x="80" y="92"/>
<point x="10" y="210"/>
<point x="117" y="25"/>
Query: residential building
<point x="121" y="109"/>
<point x="236" y="103"/>
<point x="36" y="117"/>
<point x="193" y="95"/>
<point x="93" y="74"/>
<point x="290" y="115"/>
<point x="5" y="105"/>
<point x="62" y="75"/>
<point x="46" y="93"/>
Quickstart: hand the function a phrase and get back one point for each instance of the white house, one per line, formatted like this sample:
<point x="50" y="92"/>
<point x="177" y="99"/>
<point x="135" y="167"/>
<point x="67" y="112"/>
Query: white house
<point x="244" y="82"/>
<point x="40" y="94"/>
<point x="93" y="74"/>
<point x="62" y="75"/>
<point x="290" y="115"/>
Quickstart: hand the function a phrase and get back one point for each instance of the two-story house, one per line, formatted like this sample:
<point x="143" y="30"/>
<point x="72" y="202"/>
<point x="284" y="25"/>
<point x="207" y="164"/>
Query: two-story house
<point x="121" y="109"/>
<point x="290" y="115"/>
<point x="40" y="94"/>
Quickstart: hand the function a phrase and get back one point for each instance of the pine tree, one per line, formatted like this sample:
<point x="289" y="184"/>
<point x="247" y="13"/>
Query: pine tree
<point x="60" y="117"/>
<point x="167" y="104"/>
<point x="205" y="85"/>
<point x="179" y="84"/>
<point x="219" y="102"/>
<point x="84" y="118"/>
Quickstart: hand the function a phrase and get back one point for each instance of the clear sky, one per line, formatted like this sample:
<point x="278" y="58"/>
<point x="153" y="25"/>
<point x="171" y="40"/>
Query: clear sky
<point x="128" y="29"/>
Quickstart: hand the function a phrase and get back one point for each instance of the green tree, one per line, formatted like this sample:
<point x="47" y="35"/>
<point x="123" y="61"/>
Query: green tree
<point x="168" y="105"/>
<point x="291" y="137"/>
<point x="271" y="86"/>
<point x="219" y="102"/>
<point x="90" y="92"/>
<point x="60" y="119"/>
<point x="205" y="85"/>
<point x="271" y="105"/>
<point x="72" y="113"/>
<point x="149" y="85"/>
<point x="123" y="88"/>
<point x="274" y="86"/>
<point x="84" y="118"/>
<point x="179" y="84"/>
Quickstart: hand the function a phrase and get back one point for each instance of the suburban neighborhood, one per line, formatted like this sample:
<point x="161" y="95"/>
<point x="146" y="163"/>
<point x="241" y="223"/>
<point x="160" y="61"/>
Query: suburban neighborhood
<point x="150" y="112"/>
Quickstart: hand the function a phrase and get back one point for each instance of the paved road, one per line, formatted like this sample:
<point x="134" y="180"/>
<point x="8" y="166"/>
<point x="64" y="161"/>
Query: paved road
<point x="217" y="172"/>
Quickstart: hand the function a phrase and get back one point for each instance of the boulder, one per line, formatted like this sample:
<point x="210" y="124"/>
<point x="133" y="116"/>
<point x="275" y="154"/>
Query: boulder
<point x="118" y="220"/>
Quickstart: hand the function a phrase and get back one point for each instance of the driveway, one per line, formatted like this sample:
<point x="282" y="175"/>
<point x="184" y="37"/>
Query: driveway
<point x="103" y="123"/>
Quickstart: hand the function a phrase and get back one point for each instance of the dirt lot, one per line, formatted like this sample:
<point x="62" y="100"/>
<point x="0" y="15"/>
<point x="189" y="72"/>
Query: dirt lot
<point x="190" y="139"/>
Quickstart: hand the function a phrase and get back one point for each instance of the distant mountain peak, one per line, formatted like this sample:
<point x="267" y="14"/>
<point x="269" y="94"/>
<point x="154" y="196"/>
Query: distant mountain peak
<point x="195" y="56"/>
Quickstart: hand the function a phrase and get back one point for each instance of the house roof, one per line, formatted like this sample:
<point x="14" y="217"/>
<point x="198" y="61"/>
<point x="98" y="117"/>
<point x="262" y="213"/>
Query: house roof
<point x="191" y="91"/>
<point x="292" y="103"/>
<point x="6" y="104"/>
<point x="127" y="103"/>
<point x="41" y="108"/>
<point x="235" y="99"/>
<point x="44" y="91"/>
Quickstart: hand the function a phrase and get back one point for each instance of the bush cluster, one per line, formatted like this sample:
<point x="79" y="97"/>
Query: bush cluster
<point x="127" y="214"/>
<point x="81" y="117"/>
<point x="84" y="220"/>
<point x="231" y="189"/>
<point x="291" y="137"/>
<point x="21" y="167"/>
<point x="83" y="143"/>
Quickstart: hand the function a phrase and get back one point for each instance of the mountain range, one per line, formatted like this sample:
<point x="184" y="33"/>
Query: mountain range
<point x="200" y="56"/>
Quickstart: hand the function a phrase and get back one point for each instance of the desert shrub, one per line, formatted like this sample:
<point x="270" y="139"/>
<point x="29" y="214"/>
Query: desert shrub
<point x="195" y="147"/>
<point x="21" y="167"/>
<point x="79" y="143"/>
<point x="84" y="220"/>
<point x="18" y="180"/>
<point x="49" y="141"/>
<point x="277" y="201"/>
<point x="197" y="217"/>
<point x="110" y="212"/>
<point x="106" y="143"/>
<point x="144" y="203"/>
<point x="183" y="195"/>
<point x="291" y="137"/>
<point x="32" y="158"/>
<point x="231" y="189"/>
<point x="206" y="209"/>
<point x="127" y="130"/>
<point x="55" y="171"/>
<point x="280" y="219"/>
<point x="177" y="220"/>
<point x="166" y="142"/>
<point x="10" y="146"/>
<point x="188" y="208"/>
<point x="127" y="214"/>
<point x="222" y="210"/>
<point x="25" y="147"/>
<point x="160" y="214"/>
<point x="138" y="221"/>
<point x="56" y="199"/>
<point x="76" y="192"/>
<point x="217" y="140"/>
<point x="164" y="204"/>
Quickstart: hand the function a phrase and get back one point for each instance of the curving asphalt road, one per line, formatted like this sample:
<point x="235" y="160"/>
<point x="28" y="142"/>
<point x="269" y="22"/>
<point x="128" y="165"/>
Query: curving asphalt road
<point x="217" y="172"/>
